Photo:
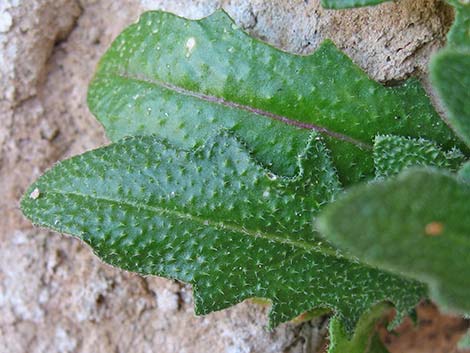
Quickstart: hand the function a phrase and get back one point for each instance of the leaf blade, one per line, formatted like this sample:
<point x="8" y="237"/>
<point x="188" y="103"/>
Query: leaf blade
<point x="227" y="253"/>
<point x="450" y="75"/>
<point x="151" y="83"/>
<point x="450" y="72"/>
<point x="416" y="224"/>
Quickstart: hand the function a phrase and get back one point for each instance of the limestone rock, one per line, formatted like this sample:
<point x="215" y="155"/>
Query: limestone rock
<point x="55" y="296"/>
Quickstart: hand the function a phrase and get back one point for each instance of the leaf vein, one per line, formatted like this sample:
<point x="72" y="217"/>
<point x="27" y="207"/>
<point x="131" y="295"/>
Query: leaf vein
<point x="230" y="104"/>
<point x="207" y="222"/>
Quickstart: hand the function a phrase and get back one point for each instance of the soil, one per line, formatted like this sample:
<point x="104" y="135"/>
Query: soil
<point x="55" y="296"/>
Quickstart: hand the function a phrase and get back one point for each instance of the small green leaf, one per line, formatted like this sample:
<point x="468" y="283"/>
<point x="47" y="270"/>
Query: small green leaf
<point x="450" y="72"/>
<point x="365" y="338"/>
<point x="417" y="224"/>
<point x="218" y="220"/>
<point x="344" y="4"/>
<point x="392" y="154"/>
<point x="464" y="342"/>
<point x="182" y="80"/>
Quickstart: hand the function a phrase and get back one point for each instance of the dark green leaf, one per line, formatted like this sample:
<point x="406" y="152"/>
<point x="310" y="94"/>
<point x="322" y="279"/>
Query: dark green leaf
<point x="184" y="79"/>
<point x="344" y="4"/>
<point x="417" y="224"/>
<point x="216" y="219"/>
<point x="392" y="154"/>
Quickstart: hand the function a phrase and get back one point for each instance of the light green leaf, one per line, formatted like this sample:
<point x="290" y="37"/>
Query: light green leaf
<point x="216" y="219"/>
<point x="464" y="172"/>
<point x="417" y="224"/>
<point x="344" y="4"/>
<point x="392" y="154"/>
<point x="459" y="35"/>
<point x="365" y="338"/>
<point x="182" y="80"/>
<point x="450" y="72"/>
<point x="464" y="342"/>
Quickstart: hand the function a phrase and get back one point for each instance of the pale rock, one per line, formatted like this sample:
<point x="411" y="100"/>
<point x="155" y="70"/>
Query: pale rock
<point x="55" y="295"/>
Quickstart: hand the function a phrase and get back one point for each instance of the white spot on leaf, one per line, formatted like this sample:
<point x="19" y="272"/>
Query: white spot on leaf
<point x="272" y="176"/>
<point x="35" y="194"/>
<point x="190" y="45"/>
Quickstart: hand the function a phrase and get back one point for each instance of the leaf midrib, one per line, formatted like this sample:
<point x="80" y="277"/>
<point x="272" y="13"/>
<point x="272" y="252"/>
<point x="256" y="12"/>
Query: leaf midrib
<point x="206" y="222"/>
<point x="230" y="104"/>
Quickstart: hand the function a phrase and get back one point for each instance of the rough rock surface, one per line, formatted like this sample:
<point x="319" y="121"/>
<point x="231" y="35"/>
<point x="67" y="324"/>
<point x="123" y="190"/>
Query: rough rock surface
<point x="55" y="296"/>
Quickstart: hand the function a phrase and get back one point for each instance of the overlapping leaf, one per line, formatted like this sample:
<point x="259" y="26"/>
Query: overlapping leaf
<point x="392" y="154"/>
<point x="216" y="219"/>
<point x="184" y="79"/>
<point x="417" y="224"/>
<point x="450" y="71"/>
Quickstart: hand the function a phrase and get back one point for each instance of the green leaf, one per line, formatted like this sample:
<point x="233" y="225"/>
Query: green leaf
<point x="464" y="172"/>
<point x="216" y="219"/>
<point x="450" y="72"/>
<point x="344" y="4"/>
<point x="392" y="154"/>
<point x="417" y="224"/>
<point x="459" y="35"/>
<point x="365" y="338"/>
<point x="182" y="80"/>
<point x="376" y="345"/>
<point x="464" y="342"/>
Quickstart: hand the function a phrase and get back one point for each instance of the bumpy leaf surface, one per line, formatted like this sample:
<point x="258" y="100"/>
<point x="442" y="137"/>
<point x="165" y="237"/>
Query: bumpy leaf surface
<point x="216" y="219"/>
<point x="417" y="224"/>
<point x="392" y="154"/>
<point x="365" y="338"/>
<point x="184" y="79"/>
<point x="344" y="4"/>
<point x="450" y="72"/>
